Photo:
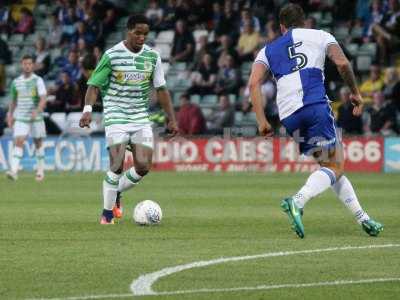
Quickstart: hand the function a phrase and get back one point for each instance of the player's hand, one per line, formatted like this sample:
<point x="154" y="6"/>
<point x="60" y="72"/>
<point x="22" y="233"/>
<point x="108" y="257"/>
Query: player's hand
<point x="265" y="129"/>
<point x="10" y="120"/>
<point x="357" y="101"/>
<point x="173" y="128"/>
<point x="85" y="120"/>
<point x="34" y="114"/>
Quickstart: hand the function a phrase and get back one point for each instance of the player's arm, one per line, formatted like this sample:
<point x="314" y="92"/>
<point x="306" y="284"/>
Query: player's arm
<point x="99" y="78"/>
<point x="41" y="88"/>
<point x="12" y="106"/>
<point x="335" y="53"/>
<point x="257" y="76"/>
<point x="164" y="99"/>
<point x="163" y="96"/>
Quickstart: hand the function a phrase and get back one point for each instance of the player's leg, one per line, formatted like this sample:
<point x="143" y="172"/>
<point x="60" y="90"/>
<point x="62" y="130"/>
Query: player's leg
<point x="142" y="151"/>
<point x="345" y="192"/>
<point x="39" y="153"/>
<point x="21" y="131"/>
<point x="111" y="181"/>
<point x="142" y="157"/>
<point x="38" y="134"/>
<point x="313" y="128"/>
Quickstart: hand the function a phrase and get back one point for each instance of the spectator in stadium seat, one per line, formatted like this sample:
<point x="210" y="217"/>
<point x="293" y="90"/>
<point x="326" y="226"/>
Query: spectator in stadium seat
<point x="93" y="29"/>
<point x="204" y="78"/>
<point x="155" y="14"/>
<point x="228" y="24"/>
<point x="5" y="20"/>
<point x="349" y="123"/>
<point x="68" y="25"/>
<point x="222" y="118"/>
<point x="190" y="117"/>
<point x="5" y="59"/>
<point x="373" y="84"/>
<point x="55" y="31"/>
<point x="271" y="31"/>
<point x="247" y="16"/>
<point x="72" y="67"/>
<point x="203" y="48"/>
<point x="183" y="44"/>
<point x="168" y="20"/>
<point x="108" y="23"/>
<point x="228" y="78"/>
<point x="387" y="31"/>
<point x="42" y="58"/>
<point x="225" y="49"/>
<point x="391" y="88"/>
<point x="65" y="96"/>
<point x="216" y="14"/>
<point x="87" y="66"/>
<point x="97" y="52"/>
<point x="248" y="42"/>
<point x="380" y="118"/>
<point x="26" y="23"/>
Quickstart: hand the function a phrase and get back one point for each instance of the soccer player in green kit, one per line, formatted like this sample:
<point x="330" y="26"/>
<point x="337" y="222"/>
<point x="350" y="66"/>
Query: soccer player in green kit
<point x="125" y="77"/>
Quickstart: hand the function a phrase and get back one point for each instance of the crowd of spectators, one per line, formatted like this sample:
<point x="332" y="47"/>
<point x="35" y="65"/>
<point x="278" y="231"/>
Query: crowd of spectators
<point x="217" y="62"/>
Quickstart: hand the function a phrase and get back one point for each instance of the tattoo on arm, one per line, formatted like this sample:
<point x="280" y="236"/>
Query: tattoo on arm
<point x="347" y="73"/>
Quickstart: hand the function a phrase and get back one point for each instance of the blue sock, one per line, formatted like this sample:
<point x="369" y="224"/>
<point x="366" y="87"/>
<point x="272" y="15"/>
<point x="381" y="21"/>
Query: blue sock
<point x="108" y="214"/>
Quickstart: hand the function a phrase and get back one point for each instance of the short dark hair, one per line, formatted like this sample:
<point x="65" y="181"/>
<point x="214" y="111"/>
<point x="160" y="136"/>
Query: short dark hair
<point x="185" y="96"/>
<point x="27" y="56"/>
<point x="292" y="15"/>
<point x="136" y="19"/>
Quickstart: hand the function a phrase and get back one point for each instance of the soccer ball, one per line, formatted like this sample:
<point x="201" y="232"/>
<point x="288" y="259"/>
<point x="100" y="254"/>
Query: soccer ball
<point x="147" y="212"/>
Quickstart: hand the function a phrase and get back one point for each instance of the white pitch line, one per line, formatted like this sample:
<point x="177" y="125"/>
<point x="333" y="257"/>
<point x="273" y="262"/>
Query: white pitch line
<point x="238" y="289"/>
<point x="281" y="286"/>
<point x="143" y="284"/>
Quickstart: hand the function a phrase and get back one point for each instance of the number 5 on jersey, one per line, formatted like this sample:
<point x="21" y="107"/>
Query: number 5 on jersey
<point x="300" y="58"/>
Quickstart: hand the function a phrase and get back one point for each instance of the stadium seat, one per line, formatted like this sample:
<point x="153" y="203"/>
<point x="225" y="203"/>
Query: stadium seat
<point x="165" y="37"/>
<point x="195" y="99"/>
<point x="232" y="99"/>
<point x="176" y="98"/>
<point x="357" y="32"/>
<point x="238" y="117"/>
<point x="166" y="66"/>
<point x="352" y="48"/>
<point x="164" y="49"/>
<point x="341" y="33"/>
<point x="249" y="118"/>
<point x="363" y="63"/>
<point x="209" y="100"/>
<point x="368" y="49"/>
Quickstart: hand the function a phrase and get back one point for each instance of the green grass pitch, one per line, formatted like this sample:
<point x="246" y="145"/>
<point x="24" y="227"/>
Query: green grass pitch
<point x="51" y="245"/>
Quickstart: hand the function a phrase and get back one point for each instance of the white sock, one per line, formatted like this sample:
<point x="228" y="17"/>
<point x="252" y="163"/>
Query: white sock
<point x="128" y="180"/>
<point x="39" y="160"/>
<point x="345" y="192"/>
<point x="16" y="158"/>
<point x="110" y="188"/>
<point x="316" y="183"/>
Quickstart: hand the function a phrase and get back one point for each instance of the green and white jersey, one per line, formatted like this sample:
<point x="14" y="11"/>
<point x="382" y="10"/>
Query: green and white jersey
<point x="27" y="92"/>
<point x="126" y="80"/>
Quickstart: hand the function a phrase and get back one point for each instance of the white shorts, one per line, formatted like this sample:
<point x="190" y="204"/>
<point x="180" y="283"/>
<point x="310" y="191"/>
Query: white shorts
<point x="36" y="129"/>
<point x="129" y="134"/>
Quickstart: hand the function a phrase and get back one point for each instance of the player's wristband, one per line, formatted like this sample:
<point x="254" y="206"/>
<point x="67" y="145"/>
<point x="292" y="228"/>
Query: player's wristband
<point x="87" y="108"/>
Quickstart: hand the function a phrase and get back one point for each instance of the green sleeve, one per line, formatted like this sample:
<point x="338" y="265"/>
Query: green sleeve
<point x="13" y="91"/>
<point x="101" y="75"/>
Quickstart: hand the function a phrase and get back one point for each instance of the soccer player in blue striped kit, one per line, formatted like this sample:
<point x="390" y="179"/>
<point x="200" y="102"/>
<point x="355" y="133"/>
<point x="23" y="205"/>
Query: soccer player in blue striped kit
<point x="296" y="61"/>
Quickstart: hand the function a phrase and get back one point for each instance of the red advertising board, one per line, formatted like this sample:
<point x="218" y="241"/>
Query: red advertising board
<point x="256" y="154"/>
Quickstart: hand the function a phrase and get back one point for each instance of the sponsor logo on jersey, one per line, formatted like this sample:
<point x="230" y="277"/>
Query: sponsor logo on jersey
<point x="135" y="76"/>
